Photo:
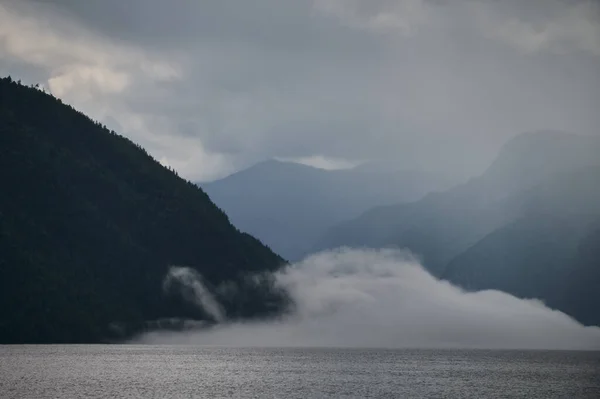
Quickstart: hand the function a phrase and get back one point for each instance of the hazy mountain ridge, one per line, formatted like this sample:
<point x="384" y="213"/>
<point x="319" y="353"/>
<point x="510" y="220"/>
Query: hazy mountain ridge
<point x="536" y="255"/>
<point x="579" y="294"/>
<point x="482" y="194"/>
<point x="90" y="223"/>
<point x="516" y="228"/>
<point x="287" y="205"/>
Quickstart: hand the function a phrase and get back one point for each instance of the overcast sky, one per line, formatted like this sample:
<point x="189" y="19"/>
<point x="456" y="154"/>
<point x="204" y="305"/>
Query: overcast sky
<point x="212" y="86"/>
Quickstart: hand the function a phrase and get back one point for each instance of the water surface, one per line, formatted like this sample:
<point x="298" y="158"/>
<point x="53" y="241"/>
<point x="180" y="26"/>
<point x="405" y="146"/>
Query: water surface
<point x="107" y="371"/>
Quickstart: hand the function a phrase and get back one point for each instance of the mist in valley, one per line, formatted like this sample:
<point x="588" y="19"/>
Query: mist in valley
<point x="385" y="299"/>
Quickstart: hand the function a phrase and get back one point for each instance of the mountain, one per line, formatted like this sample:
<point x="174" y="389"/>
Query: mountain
<point x="519" y="227"/>
<point x="287" y="205"/>
<point x="538" y="254"/>
<point x="442" y="225"/>
<point x="579" y="295"/>
<point x="90" y="224"/>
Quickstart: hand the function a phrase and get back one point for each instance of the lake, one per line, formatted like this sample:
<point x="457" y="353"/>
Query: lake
<point x="145" y="371"/>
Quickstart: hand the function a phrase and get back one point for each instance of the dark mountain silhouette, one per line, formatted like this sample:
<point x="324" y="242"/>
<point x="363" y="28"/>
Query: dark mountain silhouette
<point x="90" y="223"/>
<point x="519" y="227"/>
<point x="288" y="205"/>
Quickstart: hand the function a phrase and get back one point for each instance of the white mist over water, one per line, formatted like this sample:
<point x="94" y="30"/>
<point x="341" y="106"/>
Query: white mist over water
<point x="384" y="298"/>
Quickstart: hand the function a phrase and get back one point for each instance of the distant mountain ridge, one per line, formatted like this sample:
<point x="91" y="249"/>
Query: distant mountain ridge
<point x="287" y="205"/>
<point x="90" y="224"/>
<point x="516" y="228"/>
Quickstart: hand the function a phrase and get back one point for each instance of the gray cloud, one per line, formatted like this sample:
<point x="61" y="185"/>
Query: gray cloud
<point x="212" y="86"/>
<point x="353" y="298"/>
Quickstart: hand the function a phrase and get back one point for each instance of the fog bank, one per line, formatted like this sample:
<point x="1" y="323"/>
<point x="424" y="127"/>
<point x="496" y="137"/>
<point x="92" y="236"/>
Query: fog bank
<point x="384" y="298"/>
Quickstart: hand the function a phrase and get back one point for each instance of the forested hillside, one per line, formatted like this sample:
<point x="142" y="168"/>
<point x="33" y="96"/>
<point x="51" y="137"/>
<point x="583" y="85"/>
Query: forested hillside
<point x="90" y="223"/>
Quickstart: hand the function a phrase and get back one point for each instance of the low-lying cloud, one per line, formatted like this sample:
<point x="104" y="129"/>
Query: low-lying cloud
<point x="384" y="298"/>
<point x="189" y="283"/>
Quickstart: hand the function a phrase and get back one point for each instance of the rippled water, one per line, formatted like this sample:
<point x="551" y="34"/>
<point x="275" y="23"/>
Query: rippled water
<point x="98" y="371"/>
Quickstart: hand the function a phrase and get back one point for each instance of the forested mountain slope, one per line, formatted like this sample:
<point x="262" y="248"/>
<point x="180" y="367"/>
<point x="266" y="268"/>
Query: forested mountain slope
<point x="90" y="223"/>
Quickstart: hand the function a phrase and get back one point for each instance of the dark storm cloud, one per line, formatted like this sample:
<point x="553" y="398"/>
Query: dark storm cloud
<point x="210" y="86"/>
